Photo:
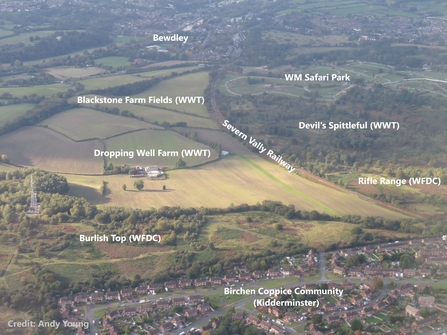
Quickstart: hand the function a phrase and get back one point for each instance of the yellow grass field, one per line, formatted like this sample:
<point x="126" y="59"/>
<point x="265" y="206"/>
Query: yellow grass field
<point x="85" y="123"/>
<point x="234" y="180"/>
<point x="69" y="72"/>
<point x="46" y="149"/>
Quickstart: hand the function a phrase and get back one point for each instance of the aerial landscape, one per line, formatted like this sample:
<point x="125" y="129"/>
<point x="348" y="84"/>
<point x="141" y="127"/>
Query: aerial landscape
<point x="240" y="167"/>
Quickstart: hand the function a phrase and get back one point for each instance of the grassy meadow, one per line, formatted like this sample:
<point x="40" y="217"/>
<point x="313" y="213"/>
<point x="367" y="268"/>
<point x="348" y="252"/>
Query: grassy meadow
<point x="10" y="112"/>
<point x="233" y="179"/>
<point x="82" y="123"/>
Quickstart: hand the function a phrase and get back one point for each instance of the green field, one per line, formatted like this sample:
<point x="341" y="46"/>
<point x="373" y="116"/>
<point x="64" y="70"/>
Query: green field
<point x="193" y="84"/>
<point x="165" y="140"/>
<point x="114" y="61"/>
<point x="10" y="112"/>
<point x="122" y="79"/>
<point x="45" y="90"/>
<point x="84" y="123"/>
<point x="68" y="72"/>
<point x="231" y="180"/>
<point x="24" y="38"/>
<point x="152" y="114"/>
<point x="46" y="149"/>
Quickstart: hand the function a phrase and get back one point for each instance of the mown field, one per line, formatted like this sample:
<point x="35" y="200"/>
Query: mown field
<point x="44" y="148"/>
<point x="114" y="61"/>
<point x="122" y="79"/>
<point x="232" y="179"/>
<point x="193" y="84"/>
<point x="68" y="72"/>
<point x="84" y="123"/>
<point x="10" y="112"/>
<point x="165" y="140"/>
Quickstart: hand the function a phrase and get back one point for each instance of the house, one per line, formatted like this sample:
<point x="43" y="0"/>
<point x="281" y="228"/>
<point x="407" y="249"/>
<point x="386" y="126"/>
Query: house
<point x="425" y="322"/>
<point x="203" y="308"/>
<point x="357" y="300"/>
<point x="410" y="272"/>
<point x="265" y="325"/>
<point x="258" y="274"/>
<point x="368" y="286"/>
<point x="191" y="313"/>
<point x="112" y="315"/>
<point x="171" y="285"/>
<point x="130" y="311"/>
<point x="367" y="293"/>
<point x="355" y="272"/>
<point x="237" y="316"/>
<point x="126" y="293"/>
<point x="245" y="277"/>
<point x="425" y="272"/>
<point x="342" y="303"/>
<point x="274" y="273"/>
<point x="142" y="289"/>
<point x="348" y="286"/>
<point x="275" y="311"/>
<point x="426" y="301"/>
<point x="253" y="320"/>
<point x="180" y="301"/>
<point x="113" y="295"/>
<point x="216" y="280"/>
<point x="200" y="282"/>
<point x="290" y="317"/>
<point x="412" y="311"/>
<point x="276" y="330"/>
<point x="166" y="327"/>
<point x="329" y="306"/>
<point x="162" y="304"/>
<point x="380" y="306"/>
<point x="146" y="308"/>
<point x="156" y="287"/>
<point x="179" y="320"/>
<point x="83" y="298"/>
<point x="350" y="315"/>
<point x="230" y="278"/>
<point x="406" y="330"/>
<point x="65" y="301"/>
<point x="367" y="311"/>
<point x="195" y="299"/>
<point x="333" y="319"/>
<point x="185" y="282"/>
<point x="95" y="297"/>
<point x="339" y="270"/>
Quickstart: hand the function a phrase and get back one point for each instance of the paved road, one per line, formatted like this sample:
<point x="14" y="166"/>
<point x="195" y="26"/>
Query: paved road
<point x="240" y="304"/>
<point x="322" y="260"/>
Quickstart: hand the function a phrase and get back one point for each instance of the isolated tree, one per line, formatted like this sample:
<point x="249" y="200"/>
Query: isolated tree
<point x="180" y="164"/>
<point x="164" y="187"/>
<point x="138" y="184"/>
<point x="124" y="187"/>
